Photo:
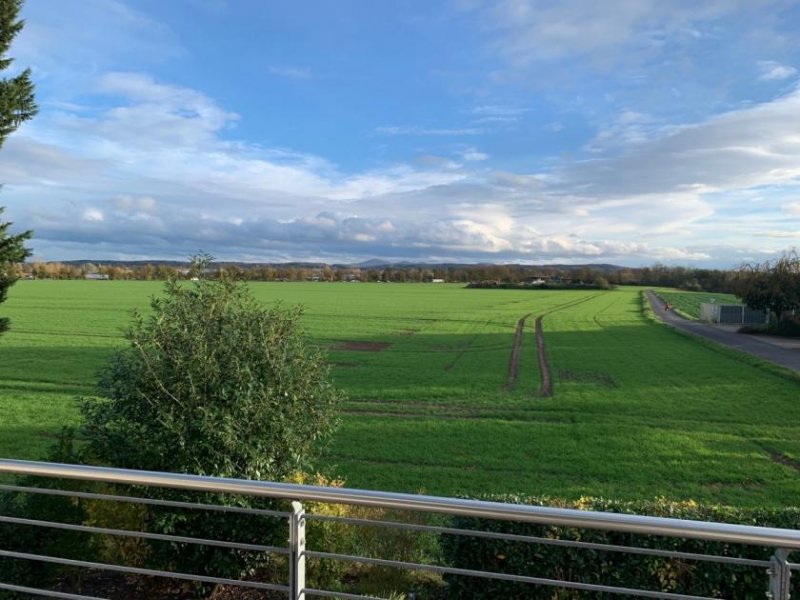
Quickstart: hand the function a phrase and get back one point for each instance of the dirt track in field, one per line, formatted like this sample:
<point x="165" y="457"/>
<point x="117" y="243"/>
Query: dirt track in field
<point x="513" y="360"/>
<point x="361" y="346"/>
<point x="546" y="385"/>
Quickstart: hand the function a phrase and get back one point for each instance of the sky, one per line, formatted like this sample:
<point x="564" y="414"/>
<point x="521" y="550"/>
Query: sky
<point x="516" y="131"/>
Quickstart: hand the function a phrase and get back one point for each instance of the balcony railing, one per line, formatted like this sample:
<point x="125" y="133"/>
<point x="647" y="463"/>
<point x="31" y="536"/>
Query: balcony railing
<point x="775" y="567"/>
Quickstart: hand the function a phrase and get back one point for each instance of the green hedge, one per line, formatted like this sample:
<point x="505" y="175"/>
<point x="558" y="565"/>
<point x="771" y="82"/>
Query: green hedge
<point x="612" y="568"/>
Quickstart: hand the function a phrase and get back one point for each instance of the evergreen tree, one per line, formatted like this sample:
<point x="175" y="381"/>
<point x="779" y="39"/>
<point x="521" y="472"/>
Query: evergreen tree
<point x="17" y="105"/>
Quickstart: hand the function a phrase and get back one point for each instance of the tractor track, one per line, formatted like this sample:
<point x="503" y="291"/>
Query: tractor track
<point x="513" y="360"/>
<point x="545" y="374"/>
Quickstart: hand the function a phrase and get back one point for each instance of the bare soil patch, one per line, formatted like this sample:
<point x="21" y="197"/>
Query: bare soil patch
<point x="354" y="346"/>
<point x="596" y="377"/>
<point x="781" y="458"/>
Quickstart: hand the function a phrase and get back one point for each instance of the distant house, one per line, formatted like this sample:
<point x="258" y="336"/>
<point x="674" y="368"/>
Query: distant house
<point x="437" y="280"/>
<point x="96" y="276"/>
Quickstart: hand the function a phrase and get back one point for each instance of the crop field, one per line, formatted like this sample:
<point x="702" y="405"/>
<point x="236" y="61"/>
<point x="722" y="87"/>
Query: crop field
<point x="687" y="304"/>
<point x="638" y="410"/>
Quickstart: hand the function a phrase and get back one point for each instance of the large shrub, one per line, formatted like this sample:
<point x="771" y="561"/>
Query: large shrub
<point x="211" y="383"/>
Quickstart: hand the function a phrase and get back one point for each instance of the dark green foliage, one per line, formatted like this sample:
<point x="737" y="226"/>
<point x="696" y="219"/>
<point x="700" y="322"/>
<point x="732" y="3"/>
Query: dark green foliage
<point x="11" y="251"/>
<point x="612" y="568"/>
<point x="212" y="383"/>
<point x="772" y="286"/>
<point x="16" y="106"/>
<point x="37" y="540"/>
<point x="785" y="328"/>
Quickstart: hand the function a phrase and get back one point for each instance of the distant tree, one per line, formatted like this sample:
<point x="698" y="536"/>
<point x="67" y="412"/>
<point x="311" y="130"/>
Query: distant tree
<point x="773" y="285"/>
<point x="90" y="268"/>
<point x="12" y="252"/>
<point x="17" y="105"/>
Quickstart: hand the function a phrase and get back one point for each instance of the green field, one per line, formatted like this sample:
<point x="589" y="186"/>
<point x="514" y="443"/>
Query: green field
<point x="687" y="304"/>
<point x="639" y="410"/>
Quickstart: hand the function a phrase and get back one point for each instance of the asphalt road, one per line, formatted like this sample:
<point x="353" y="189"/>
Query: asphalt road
<point x="786" y="354"/>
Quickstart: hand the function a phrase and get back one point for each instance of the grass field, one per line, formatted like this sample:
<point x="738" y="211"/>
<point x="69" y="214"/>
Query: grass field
<point x="638" y="410"/>
<point x="687" y="304"/>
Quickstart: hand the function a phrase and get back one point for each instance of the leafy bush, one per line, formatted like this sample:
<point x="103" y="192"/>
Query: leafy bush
<point x="784" y="328"/>
<point x="211" y="384"/>
<point x="612" y="568"/>
<point x="363" y="540"/>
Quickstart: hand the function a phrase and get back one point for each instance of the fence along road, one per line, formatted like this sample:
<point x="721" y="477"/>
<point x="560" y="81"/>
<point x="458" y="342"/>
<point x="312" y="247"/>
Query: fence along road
<point x="751" y="344"/>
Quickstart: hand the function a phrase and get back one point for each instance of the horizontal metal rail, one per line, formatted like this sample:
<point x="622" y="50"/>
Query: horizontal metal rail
<point x="341" y="595"/>
<point x="144" y="535"/>
<point x="571" y="585"/>
<point x="563" y="517"/>
<point x="46" y="593"/>
<point x="71" y="562"/>
<point x="150" y="501"/>
<point x="515" y="537"/>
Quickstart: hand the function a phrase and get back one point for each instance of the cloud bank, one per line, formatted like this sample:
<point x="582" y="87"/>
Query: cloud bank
<point x="133" y="166"/>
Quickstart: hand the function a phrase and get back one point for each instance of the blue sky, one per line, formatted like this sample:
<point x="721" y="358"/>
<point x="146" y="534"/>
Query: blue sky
<point x="631" y="131"/>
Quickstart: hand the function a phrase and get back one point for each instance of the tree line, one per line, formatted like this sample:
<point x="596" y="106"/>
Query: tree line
<point x="688" y="278"/>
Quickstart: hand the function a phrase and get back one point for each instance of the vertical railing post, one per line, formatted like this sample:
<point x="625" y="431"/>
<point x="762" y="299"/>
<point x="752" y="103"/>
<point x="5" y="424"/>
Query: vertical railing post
<point x="297" y="549"/>
<point x="779" y="576"/>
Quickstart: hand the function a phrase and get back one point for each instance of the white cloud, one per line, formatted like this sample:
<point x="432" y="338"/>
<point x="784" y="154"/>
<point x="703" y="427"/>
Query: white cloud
<point x="745" y="148"/>
<point x="771" y="70"/>
<point x="790" y="234"/>
<point x="67" y="56"/>
<point x="793" y="208"/>
<point x="291" y="72"/>
<point x="140" y="204"/>
<point x="625" y="130"/>
<point x="472" y="155"/>
<point x="525" y="31"/>
<point x="92" y="215"/>
<point x="414" y="130"/>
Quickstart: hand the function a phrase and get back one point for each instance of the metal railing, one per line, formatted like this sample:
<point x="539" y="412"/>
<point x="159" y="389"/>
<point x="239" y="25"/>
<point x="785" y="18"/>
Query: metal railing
<point x="775" y="567"/>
